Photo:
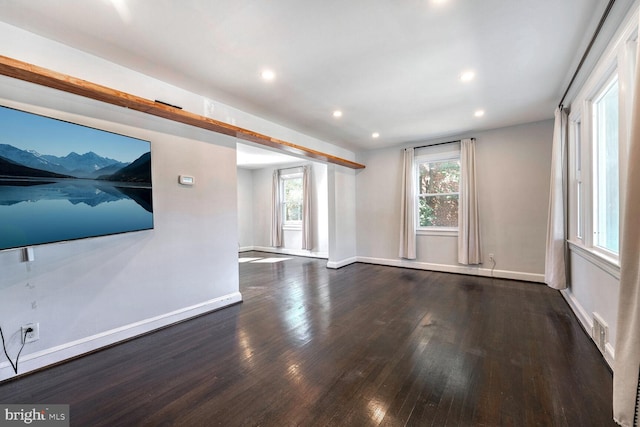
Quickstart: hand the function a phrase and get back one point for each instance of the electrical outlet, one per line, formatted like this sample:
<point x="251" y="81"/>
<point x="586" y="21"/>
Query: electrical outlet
<point x="32" y="336"/>
<point x="491" y="258"/>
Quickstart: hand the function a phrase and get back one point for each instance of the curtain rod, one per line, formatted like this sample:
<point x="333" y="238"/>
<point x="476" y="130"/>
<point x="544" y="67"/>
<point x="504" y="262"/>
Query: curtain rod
<point x="439" y="143"/>
<point x="586" y="52"/>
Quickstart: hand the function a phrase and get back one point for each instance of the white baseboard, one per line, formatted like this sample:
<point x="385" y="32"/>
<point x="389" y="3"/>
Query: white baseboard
<point x="341" y="263"/>
<point x="579" y="311"/>
<point x="460" y="269"/>
<point x="609" y="355"/>
<point x="82" y="346"/>
<point x="284" y="251"/>
<point x="587" y="323"/>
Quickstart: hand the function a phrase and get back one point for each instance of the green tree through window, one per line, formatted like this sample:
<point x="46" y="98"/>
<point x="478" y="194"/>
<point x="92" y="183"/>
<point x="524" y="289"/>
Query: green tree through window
<point x="292" y="199"/>
<point x="438" y="192"/>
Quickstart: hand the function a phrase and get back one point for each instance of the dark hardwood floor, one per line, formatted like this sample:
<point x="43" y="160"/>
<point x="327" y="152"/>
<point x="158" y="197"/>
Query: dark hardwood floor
<point x="360" y="346"/>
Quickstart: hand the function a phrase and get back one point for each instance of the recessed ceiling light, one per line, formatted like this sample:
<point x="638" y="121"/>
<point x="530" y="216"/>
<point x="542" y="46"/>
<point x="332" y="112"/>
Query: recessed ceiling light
<point x="467" y="76"/>
<point x="375" y="135"/>
<point x="337" y="113"/>
<point x="438" y="1"/>
<point x="268" y="75"/>
<point x="479" y="113"/>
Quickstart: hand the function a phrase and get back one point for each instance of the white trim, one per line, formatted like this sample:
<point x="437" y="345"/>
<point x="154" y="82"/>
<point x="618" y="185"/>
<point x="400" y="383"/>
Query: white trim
<point x="576" y="157"/>
<point x="40" y="359"/>
<point x="292" y="226"/>
<point x="605" y="84"/>
<point x="434" y="231"/>
<point x="587" y="323"/>
<point x="578" y="310"/>
<point x="296" y="172"/>
<point x="284" y="251"/>
<point x="289" y="176"/>
<point x="609" y="355"/>
<point x="341" y="263"/>
<point x="437" y="157"/>
<point x="614" y="61"/>
<point x="597" y="259"/>
<point x="459" y="269"/>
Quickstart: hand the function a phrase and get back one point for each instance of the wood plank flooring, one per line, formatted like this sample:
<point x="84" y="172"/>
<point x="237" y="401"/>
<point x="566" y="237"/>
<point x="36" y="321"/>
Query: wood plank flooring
<point x="361" y="346"/>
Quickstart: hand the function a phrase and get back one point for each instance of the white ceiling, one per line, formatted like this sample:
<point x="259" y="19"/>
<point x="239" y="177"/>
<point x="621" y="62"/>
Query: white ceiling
<point x="392" y="67"/>
<point x="251" y="157"/>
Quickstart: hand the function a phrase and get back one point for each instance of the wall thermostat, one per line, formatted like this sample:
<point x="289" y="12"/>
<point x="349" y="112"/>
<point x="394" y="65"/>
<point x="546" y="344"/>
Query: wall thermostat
<point x="186" y="180"/>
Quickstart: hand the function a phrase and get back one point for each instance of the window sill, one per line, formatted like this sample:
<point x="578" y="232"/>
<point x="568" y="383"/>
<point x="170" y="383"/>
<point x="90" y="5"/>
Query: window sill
<point x="600" y="260"/>
<point x="292" y="227"/>
<point x="453" y="232"/>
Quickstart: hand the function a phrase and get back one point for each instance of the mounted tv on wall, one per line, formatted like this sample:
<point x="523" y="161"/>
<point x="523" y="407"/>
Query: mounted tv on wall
<point x="49" y="192"/>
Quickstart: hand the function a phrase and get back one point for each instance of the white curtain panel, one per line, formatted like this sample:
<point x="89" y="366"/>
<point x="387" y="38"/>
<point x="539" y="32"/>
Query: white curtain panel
<point x="306" y="208"/>
<point x="468" y="217"/>
<point x="555" y="270"/>
<point x="276" y="211"/>
<point x="407" y="207"/>
<point x="627" y="361"/>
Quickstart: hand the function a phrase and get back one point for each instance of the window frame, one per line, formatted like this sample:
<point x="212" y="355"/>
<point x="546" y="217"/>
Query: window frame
<point x="290" y="225"/>
<point x="619" y="57"/>
<point x="612" y="79"/>
<point x="577" y="189"/>
<point x="582" y="148"/>
<point x="433" y="157"/>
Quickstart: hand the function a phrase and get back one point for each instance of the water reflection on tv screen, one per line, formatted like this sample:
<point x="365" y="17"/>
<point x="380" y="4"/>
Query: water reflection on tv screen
<point x="63" y="181"/>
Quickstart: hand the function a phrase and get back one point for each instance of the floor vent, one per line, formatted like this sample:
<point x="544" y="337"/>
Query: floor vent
<point x="600" y="332"/>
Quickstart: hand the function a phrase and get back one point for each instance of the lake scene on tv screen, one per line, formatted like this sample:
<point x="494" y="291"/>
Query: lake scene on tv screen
<point x="63" y="181"/>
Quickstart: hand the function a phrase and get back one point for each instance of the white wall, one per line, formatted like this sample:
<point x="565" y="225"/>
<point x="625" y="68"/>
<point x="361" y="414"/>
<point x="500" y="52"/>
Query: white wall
<point x="259" y="228"/>
<point x="341" y="184"/>
<point x="513" y="166"/>
<point x="245" y="208"/>
<point x="594" y="288"/>
<point x="89" y="293"/>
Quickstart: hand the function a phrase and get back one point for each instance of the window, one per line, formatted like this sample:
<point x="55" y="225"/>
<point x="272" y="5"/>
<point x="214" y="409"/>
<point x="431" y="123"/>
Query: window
<point x="292" y="199"/>
<point x="438" y="190"/>
<point x="606" y="178"/>
<point x="599" y="140"/>
<point x="579" y="197"/>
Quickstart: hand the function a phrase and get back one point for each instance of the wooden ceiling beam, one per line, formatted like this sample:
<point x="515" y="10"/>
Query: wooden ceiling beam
<point x="34" y="74"/>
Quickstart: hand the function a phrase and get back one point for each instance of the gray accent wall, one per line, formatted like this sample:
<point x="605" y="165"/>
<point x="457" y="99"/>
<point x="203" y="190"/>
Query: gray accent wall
<point x="513" y="167"/>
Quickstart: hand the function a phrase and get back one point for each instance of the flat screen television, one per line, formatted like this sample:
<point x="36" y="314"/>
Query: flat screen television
<point x="49" y="192"/>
